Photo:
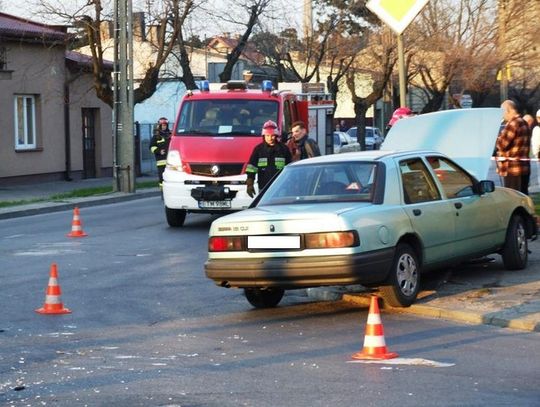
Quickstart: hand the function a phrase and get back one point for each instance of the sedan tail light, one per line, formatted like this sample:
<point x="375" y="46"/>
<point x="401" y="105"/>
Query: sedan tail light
<point x="331" y="240"/>
<point x="225" y="244"/>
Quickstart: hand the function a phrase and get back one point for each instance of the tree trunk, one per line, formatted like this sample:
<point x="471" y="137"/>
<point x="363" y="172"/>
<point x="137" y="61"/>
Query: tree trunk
<point x="434" y="104"/>
<point x="360" y="110"/>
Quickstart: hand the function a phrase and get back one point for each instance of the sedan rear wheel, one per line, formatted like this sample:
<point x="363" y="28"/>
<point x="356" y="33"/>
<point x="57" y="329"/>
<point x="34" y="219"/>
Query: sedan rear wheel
<point x="515" y="252"/>
<point x="264" y="297"/>
<point x="403" y="283"/>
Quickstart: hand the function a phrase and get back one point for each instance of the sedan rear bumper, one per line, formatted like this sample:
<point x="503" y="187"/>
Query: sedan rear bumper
<point x="362" y="268"/>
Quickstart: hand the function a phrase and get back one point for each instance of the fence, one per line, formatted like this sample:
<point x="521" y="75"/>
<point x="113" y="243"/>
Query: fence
<point x="145" y="161"/>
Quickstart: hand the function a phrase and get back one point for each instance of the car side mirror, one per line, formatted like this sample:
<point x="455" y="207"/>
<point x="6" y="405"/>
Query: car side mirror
<point x="484" y="187"/>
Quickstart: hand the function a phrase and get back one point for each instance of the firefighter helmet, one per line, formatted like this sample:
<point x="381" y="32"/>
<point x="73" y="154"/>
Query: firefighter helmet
<point x="270" y="127"/>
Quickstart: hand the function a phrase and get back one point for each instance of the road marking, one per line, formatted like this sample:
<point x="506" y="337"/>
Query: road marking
<point x="406" y="361"/>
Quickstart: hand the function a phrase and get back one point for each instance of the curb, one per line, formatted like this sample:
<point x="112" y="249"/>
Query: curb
<point x="49" y="207"/>
<point x="526" y="323"/>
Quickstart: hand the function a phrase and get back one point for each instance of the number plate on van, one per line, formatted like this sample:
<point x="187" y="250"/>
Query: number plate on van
<point x="214" y="204"/>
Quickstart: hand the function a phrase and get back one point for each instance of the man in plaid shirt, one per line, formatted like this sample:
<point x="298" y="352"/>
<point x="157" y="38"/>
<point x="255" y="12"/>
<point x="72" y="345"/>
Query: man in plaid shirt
<point x="513" y="146"/>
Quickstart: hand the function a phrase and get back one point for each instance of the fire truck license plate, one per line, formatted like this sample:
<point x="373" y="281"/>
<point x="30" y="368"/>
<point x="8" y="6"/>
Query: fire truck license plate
<point x="214" y="204"/>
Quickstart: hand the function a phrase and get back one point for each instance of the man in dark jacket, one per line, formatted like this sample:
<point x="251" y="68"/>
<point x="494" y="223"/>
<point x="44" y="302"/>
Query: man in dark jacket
<point x="159" y="146"/>
<point x="267" y="158"/>
<point x="300" y="145"/>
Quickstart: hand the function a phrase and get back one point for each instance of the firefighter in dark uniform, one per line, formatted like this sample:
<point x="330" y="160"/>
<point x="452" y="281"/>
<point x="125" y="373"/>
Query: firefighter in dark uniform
<point x="267" y="158"/>
<point x="159" y="146"/>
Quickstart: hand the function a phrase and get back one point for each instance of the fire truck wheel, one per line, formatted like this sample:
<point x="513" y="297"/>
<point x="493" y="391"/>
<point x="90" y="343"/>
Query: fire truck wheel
<point x="175" y="217"/>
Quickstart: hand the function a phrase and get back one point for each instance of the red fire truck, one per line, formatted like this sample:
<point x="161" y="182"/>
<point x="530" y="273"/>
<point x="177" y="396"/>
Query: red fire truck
<point x="213" y="137"/>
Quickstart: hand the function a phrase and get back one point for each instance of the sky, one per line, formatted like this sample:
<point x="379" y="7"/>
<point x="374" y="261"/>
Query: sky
<point x="282" y="14"/>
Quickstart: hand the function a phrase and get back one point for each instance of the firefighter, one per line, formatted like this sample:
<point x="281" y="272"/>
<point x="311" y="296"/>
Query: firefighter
<point x="159" y="146"/>
<point x="267" y="158"/>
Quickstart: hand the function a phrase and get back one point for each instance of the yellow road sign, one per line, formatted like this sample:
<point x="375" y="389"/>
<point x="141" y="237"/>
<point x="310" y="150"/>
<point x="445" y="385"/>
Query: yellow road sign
<point x="397" y="14"/>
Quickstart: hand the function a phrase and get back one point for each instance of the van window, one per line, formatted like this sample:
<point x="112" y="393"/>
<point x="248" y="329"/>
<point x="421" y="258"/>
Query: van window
<point x="225" y="117"/>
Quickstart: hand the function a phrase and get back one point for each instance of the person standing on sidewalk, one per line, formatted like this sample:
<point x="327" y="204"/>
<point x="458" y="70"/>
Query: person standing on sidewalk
<point x="159" y="146"/>
<point x="535" y="145"/>
<point x="300" y="145"/>
<point x="525" y="179"/>
<point x="535" y="137"/>
<point x="513" y="144"/>
<point x="267" y="158"/>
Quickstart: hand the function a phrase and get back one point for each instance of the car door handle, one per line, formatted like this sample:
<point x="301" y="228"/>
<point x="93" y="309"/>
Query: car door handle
<point x="458" y="205"/>
<point x="417" y="212"/>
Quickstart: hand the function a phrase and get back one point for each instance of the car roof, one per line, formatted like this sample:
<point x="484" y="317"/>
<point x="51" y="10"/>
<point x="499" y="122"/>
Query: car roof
<point x="467" y="136"/>
<point x="369" y="155"/>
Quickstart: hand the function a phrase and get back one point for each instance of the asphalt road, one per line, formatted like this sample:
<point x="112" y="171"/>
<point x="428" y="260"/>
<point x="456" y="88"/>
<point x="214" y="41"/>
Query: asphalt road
<point x="148" y="329"/>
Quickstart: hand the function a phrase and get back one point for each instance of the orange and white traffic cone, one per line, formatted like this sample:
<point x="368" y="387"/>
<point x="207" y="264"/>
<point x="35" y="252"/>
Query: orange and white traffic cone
<point x="76" y="225"/>
<point x="53" y="303"/>
<point x="374" y="343"/>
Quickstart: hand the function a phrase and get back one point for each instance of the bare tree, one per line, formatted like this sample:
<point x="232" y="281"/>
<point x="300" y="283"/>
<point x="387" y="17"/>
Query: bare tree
<point x="89" y="17"/>
<point x="452" y="39"/>
<point x="375" y="64"/>
<point x="273" y="47"/>
<point x="244" y="14"/>
<point x="519" y="56"/>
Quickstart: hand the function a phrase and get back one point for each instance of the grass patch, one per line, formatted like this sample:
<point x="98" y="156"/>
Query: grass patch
<point x="5" y="204"/>
<point x="81" y="193"/>
<point x="146" y="184"/>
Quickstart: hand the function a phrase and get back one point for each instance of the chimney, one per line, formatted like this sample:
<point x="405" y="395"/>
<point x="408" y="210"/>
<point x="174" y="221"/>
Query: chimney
<point x="106" y="30"/>
<point x="139" y="28"/>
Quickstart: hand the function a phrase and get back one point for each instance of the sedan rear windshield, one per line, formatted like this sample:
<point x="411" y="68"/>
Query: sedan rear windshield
<point x="344" y="181"/>
<point x="225" y="117"/>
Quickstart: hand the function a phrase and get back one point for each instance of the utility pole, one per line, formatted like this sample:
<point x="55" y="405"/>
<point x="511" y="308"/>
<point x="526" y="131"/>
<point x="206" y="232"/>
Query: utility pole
<point x="124" y="156"/>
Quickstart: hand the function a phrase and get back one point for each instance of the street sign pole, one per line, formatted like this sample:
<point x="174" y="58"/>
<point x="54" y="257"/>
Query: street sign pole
<point x="402" y="72"/>
<point x="398" y="15"/>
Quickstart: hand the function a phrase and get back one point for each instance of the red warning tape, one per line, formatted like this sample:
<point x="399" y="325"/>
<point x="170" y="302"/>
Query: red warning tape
<point x="514" y="159"/>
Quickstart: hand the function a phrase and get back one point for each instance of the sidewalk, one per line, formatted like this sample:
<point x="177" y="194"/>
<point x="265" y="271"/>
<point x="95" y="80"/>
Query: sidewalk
<point x="42" y="191"/>
<point x="482" y="293"/>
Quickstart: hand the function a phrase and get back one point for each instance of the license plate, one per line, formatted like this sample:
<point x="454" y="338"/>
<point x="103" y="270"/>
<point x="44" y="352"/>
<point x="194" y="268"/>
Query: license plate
<point x="214" y="204"/>
<point x="273" y="242"/>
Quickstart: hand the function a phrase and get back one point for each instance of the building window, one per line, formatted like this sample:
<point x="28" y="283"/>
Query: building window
<point x="25" y="122"/>
<point x="3" y="58"/>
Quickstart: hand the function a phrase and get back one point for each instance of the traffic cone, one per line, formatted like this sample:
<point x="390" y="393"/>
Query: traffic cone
<point x="374" y="344"/>
<point x="76" y="226"/>
<point x="53" y="303"/>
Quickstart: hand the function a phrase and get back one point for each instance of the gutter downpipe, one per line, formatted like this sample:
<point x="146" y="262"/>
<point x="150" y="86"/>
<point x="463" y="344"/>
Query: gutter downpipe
<point x="67" y="132"/>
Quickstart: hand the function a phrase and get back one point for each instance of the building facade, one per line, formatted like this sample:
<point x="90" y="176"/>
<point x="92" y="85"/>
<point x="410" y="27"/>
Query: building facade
<point x="52" y="126"/>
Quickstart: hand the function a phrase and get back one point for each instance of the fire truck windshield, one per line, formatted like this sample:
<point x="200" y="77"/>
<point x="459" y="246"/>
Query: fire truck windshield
<point x="225" y="117"/>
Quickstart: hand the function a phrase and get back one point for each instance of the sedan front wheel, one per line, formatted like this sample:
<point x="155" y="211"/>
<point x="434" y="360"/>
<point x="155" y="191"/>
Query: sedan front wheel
<point x="403" y="282"/>
<point x="515" y="252"/>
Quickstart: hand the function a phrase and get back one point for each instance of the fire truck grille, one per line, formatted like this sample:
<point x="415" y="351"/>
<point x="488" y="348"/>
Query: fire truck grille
<point x="209" y="170"/>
